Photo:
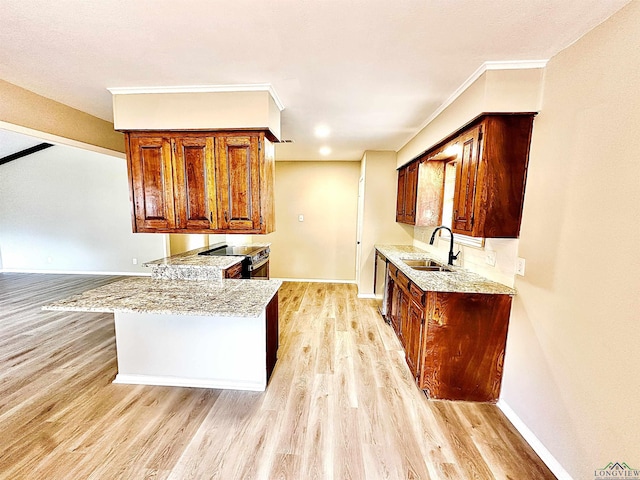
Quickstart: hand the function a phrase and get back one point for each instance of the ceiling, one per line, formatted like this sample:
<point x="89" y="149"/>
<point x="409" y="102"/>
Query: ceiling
<point x="372" y="71"/>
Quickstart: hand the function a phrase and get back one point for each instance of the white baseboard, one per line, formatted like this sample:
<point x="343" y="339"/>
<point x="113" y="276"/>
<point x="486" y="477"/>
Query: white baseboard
<point x="530" y="437"/>
<point x="371" y="296"/>
<point x="73" y="272"/>
<point x="164" y="381"/>
<point x="312" y="280"/>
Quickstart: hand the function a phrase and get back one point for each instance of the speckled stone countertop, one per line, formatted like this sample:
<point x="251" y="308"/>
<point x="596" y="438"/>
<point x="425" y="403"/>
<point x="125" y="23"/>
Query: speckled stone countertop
<point x="227" y="298"/>
<point x="191" y="266"/>
<point x="460" y="280"/>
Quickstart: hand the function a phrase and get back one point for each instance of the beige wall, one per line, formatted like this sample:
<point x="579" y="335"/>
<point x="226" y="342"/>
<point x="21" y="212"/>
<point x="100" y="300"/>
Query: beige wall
<point x="572" y="367"/>
<point x="196" y="110"/>
<point x="572" y="361"/>
<point x="323" y="246"/>
<point x="179" y="243"/>
<point x="379" y="213"/>
<point x="23" y="108"/>
<point x="493" y="91"/>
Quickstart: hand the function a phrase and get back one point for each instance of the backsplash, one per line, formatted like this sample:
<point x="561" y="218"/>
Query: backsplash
<point x="472" y="258"/>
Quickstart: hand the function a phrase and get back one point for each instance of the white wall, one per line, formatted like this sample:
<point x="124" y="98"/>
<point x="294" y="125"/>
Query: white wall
<point x="64" y="209"/>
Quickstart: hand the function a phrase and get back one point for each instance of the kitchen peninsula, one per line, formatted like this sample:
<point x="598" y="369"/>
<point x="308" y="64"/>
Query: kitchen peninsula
<point x="188" y="326"/>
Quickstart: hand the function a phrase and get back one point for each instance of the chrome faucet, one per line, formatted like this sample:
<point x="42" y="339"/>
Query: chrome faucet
<point x="452" y="257"/>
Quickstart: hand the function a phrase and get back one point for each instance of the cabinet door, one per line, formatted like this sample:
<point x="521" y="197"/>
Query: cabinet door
<point x="237" y="176"/>
<point x="388" y="296"/>
<point x="410" y="195"/>
<point x="400" y="201"/>
<point x="151" y="183"/>
<point x="403" y="316"/>
<point x="194" y="183"/>
<point x="466" y="175"/>
<point x="396" y="293"/>
<point x="413" y="337"/>
<point x="465" y="345"/>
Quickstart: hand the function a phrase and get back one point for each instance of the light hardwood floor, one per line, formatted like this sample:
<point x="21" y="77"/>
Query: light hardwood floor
<point x="340" y="405"/>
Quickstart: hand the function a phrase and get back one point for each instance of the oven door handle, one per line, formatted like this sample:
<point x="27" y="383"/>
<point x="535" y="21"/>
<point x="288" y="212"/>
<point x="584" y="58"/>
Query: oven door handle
<point x="256" y="266"/>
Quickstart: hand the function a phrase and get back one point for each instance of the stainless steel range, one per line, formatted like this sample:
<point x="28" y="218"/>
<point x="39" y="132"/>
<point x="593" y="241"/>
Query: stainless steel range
<point x="256" y="258"/>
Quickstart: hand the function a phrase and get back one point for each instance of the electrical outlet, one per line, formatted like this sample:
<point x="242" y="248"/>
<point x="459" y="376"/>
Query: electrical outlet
<point x="301" y="218"/>
<point x="520" y="263"/>
<point x="490" y="257"/>
<point x="134" y="261"/>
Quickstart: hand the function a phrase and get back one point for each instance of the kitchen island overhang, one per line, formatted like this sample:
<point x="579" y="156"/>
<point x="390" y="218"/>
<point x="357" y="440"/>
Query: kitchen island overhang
<point x="205" y="334"/>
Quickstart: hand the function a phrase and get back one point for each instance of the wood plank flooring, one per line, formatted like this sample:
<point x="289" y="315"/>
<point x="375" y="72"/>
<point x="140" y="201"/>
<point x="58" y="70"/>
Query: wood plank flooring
<point x="340" y="405"/>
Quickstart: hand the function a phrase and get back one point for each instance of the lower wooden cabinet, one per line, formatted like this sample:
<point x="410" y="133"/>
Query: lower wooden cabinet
<point x="234" y="271"/>
<point x="454" y="342"/>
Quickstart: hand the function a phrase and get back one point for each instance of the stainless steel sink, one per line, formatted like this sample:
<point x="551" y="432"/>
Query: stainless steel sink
<point x="427" y="265"/>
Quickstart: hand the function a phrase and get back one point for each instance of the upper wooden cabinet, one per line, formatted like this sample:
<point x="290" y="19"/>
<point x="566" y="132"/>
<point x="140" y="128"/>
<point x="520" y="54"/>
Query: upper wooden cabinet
<point x="201" y="182"/>
<point x="465" y="185"/>
<point x="151" y="182"/>
<point x="491" y="175"/>
<point x="238" y="183"/>
<point x="407" y="189"/>
<point x="194" y="183"/>
<point x="491" y="156"/>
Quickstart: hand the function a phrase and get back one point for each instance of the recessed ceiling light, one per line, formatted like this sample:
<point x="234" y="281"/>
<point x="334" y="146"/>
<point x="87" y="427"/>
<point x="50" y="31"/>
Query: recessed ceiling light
<point x="322" y="131"/>
<point x="325" y="151"/>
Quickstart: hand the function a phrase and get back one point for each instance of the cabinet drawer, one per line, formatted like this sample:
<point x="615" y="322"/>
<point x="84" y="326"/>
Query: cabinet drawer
<point x="393" y="270"/>
<point x="417" y="294"/>
<point x="403" y="280"/>
<point x="234" y="272"/>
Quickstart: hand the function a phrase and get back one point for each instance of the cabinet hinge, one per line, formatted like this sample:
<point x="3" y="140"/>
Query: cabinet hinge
<point x="480" y="134"/>
<point x="260" y="220"/>
<point x="473" y="218"/>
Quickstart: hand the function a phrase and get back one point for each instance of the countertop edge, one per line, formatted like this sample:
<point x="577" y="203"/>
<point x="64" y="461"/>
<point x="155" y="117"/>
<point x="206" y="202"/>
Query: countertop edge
<point x="225" y="298"/>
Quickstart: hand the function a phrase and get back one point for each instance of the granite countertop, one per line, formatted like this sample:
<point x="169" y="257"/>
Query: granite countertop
<point x="227" y="298"/>
<point x="460" y="280"/>
<point x="191" y="266"/>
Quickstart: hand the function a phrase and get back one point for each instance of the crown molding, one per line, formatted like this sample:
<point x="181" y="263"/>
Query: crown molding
<point x="249" y="87"/>
<point x="486" y="66"/>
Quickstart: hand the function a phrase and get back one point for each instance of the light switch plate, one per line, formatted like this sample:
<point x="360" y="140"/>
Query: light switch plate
<point x="520" y="266"/>
<point x="490" y="257"/>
